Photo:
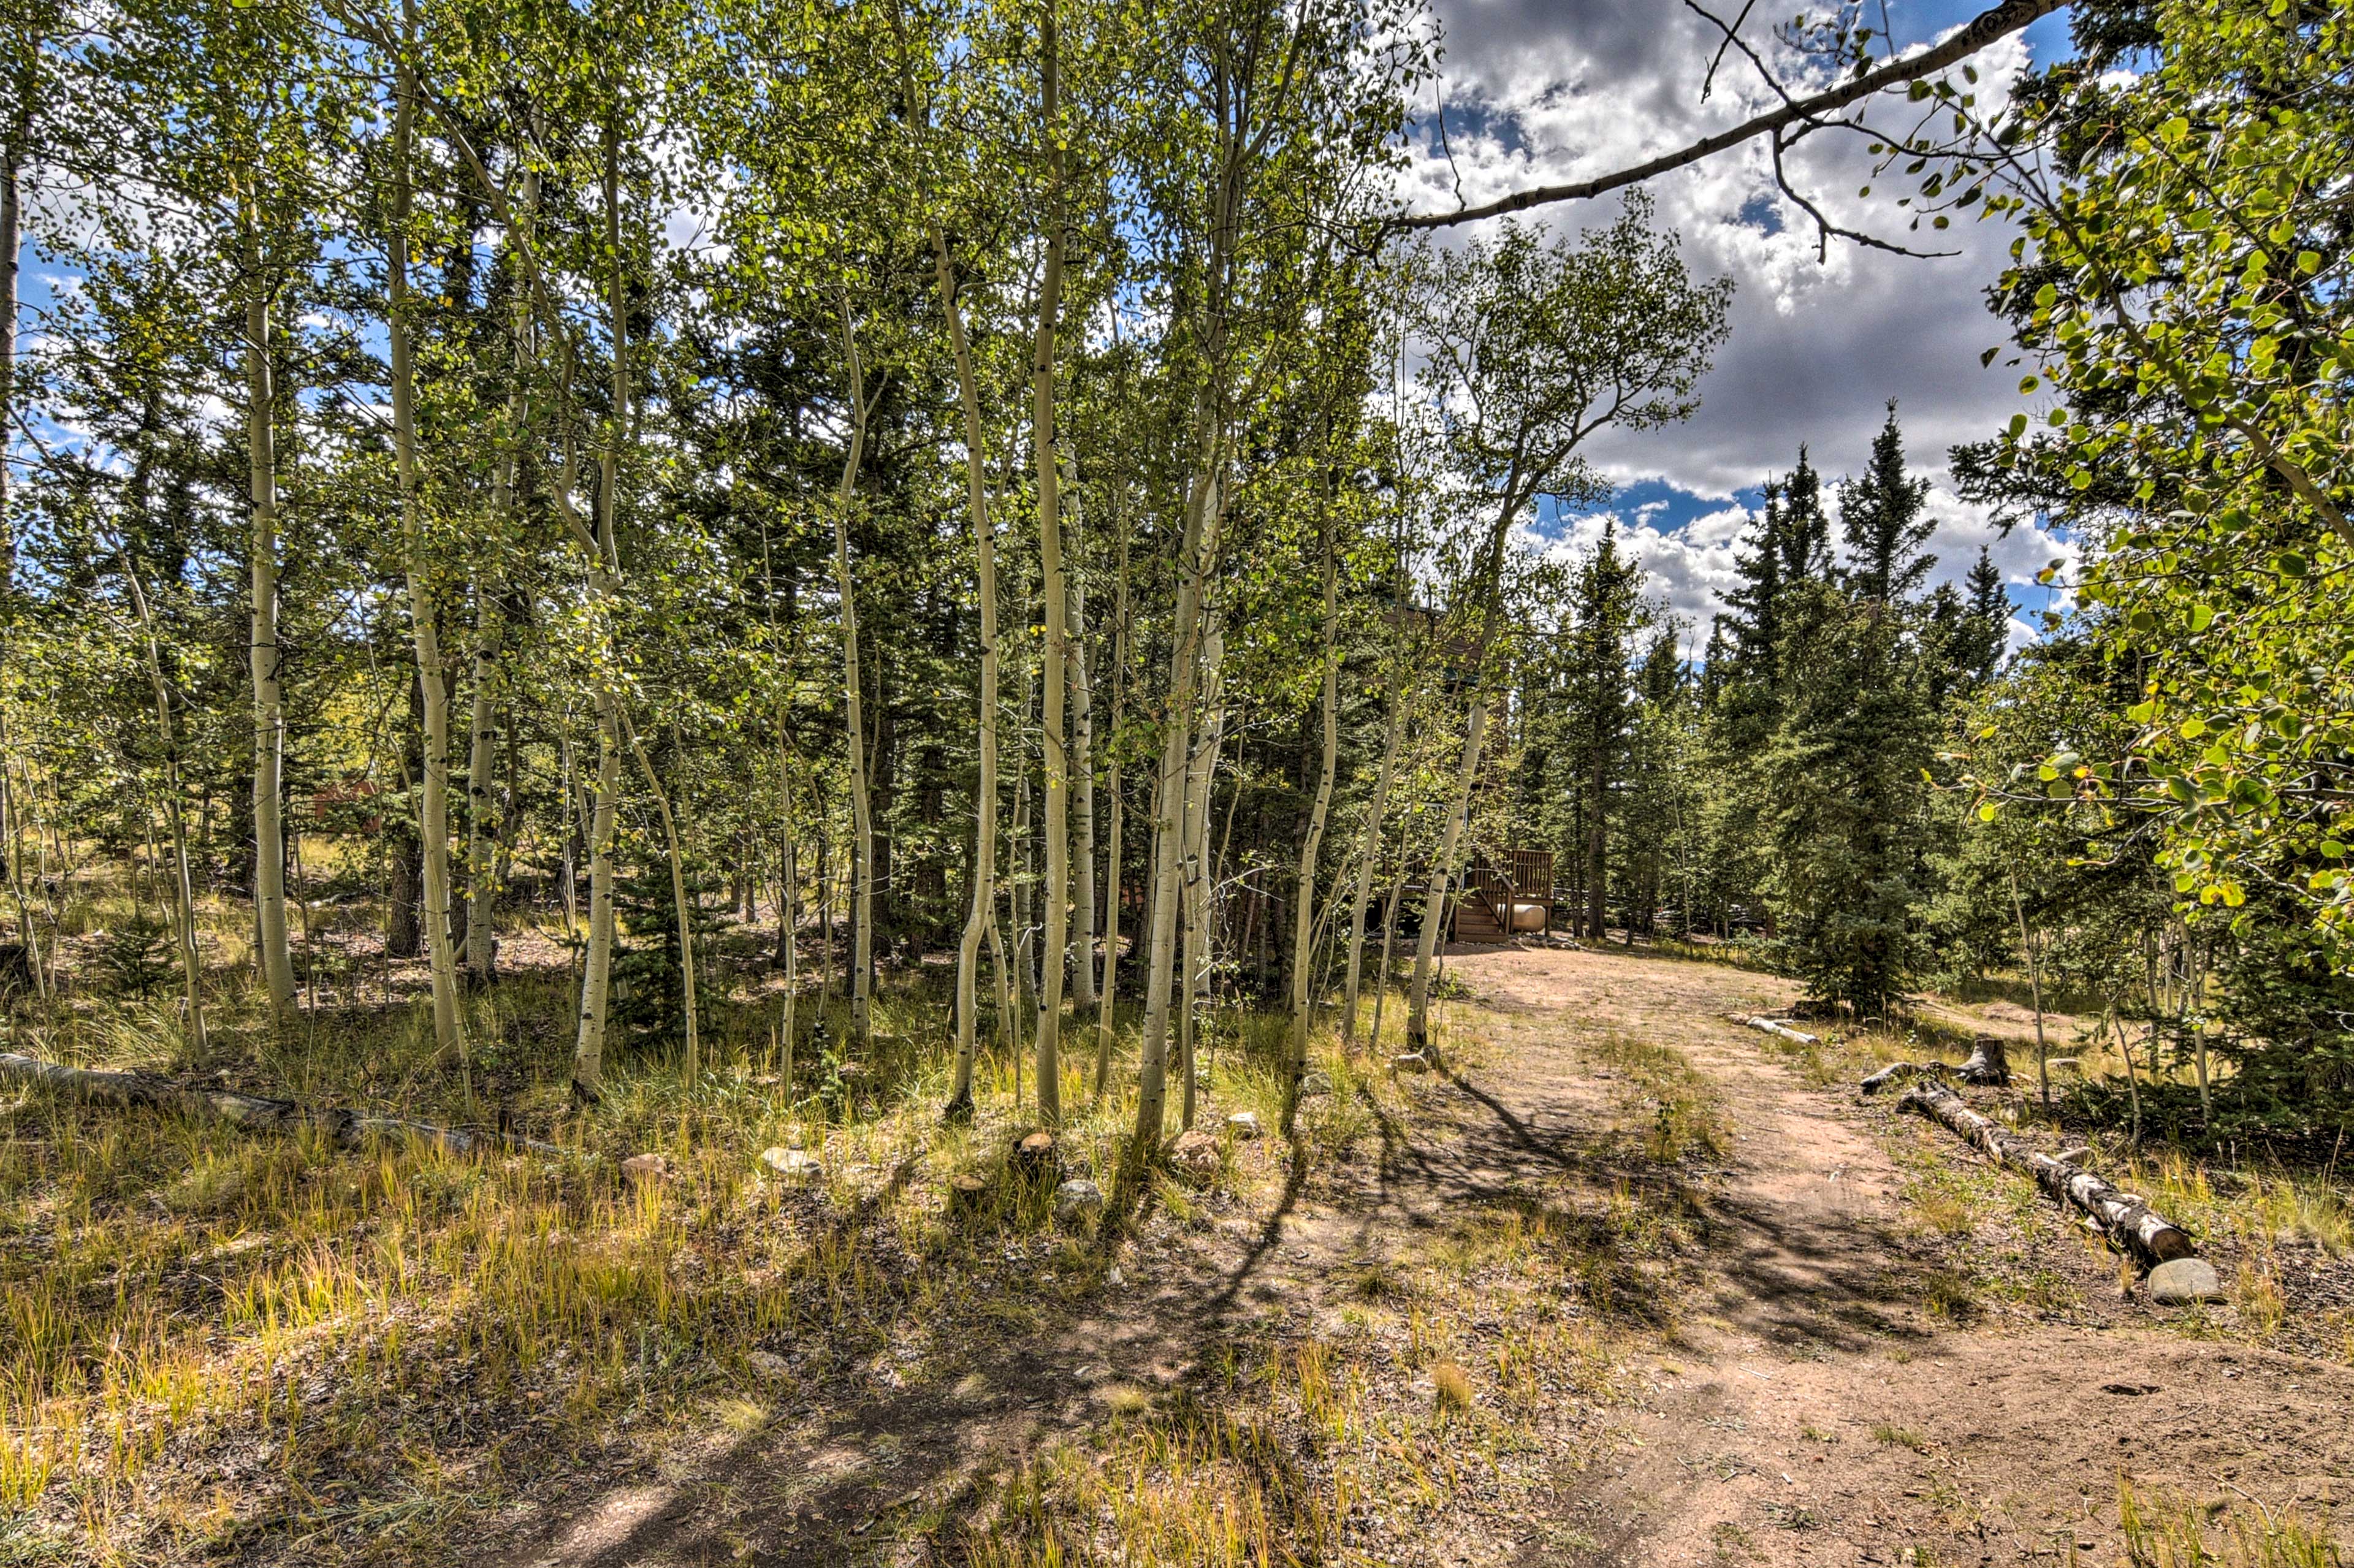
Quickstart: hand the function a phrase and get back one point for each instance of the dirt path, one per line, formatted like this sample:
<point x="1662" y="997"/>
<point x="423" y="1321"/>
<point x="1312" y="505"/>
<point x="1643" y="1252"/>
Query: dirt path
<point x="1808" y="1379"/>
<point x="1820" y="1410"/>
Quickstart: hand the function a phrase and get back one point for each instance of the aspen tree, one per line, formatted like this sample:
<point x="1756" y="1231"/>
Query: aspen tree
<point x="275" y="955"/>
<point x="1055" y="941"/>
<point x="1304" y="897"/>
<point x="982" y="915"/>
<point x="861" y="819"/>
<point x="448" y="1028"/>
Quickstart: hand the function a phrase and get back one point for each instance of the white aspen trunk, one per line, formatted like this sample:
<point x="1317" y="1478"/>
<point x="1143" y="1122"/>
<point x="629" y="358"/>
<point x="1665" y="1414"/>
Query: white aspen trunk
<point x="433" y="808"/>
<point x="981" y="917"/>
<point x="1486" y="583"/>
<point x="1201" y="775"/>
<point x="597" y="966"/>
<point x="1304" y="900"/>
<point x="684" y="911"/>
<point x="1196" y="550"/>
<point x="1375" y="810"/>
<point x="1083" y="825"/>
<point x="15" y="144"/>
<point x="862" y="822"/>
<point x="1018" y="871"/>
<point x="183" y="904"/>
<point x="1112" y="862"/>
<point x="480" y="888"/>
<point x="1055" y="939"/>
<point x="482" y="824"/>
<point x="1434" y="910"/>
<point x="277" y="958"/>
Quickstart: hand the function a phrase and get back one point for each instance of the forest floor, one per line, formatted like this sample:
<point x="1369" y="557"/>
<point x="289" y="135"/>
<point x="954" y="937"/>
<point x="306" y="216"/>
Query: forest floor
<point x="1622" y="1283"/>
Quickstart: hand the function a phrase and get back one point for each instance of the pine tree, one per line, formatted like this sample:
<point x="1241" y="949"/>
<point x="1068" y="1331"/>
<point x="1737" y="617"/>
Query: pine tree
<point x="1879" y="514"/>
<point x="1600" y="709"/>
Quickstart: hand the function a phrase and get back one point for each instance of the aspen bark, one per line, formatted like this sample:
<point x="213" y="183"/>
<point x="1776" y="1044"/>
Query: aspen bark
<point x="684" y="911"/>
<point x="1304" y="900"/>
<point x="1195" y="859"/>
<point x="1486" y="582"/>
<point x="1083" y="824"/>
<point x="481" y="886"/>
<point x="1055" y="939"/>
<point x="482" y="824"/>
<point x="433" y="810"/>
<point x="981" y="915"/>
<point x="1434" y="910"/>
<point x="1196" y="549"/>
<point x="276" y="957"/>
<point x="1375" y="810"/>
<point x="862" y="822"/>
<point x="15" y="145"/>
<point x="184" y="896"/>
<point x="1112" y="862"/>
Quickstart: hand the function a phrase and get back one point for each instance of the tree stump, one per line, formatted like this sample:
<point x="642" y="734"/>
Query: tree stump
<point x="1987" y="1066"/>
<point x="1036" y="1159"/>
<point x="968" y="1192"/>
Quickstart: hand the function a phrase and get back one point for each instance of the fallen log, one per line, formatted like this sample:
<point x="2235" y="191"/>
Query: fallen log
<point x="1775" y="1026"/>
<point x="2124" y="1218"/>
<point x="1902" y="1073"/>
<point x="347" y="1128"/>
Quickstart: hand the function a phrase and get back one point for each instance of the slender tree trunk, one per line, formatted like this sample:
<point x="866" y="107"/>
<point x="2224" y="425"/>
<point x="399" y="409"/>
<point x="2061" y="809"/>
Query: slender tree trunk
<point x="1109" y="990"/>
<point x="1375" y="810"/>
<point x="448" y="1031"/>
<point x="1442" y="871"/>
<point x="862" y="822"/>
<point x="1196" y="550"/>
<point x="1054" y="939"/>
<point x="685" y="910"/>
<point x="14" y="146"/>
<point x="2035" y="994"/>
<point x="276" y="956"/>
<point x="1083" y="829"/>
<point x="1304" y="900"/>
<point x="482" y="817"/>
<point x="183" y="906"/>
<point x="481" y="755"/>
<point x="981" y="915"/>
<point x="1487" y="580"/>
<point x="1201" y="775"/>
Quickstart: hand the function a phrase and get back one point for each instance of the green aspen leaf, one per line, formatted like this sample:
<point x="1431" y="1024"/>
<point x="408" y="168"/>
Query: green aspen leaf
<point x="2290" y="564"/>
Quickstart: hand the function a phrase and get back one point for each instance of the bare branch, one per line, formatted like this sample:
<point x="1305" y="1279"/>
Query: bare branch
<point x="1996" y="22"/>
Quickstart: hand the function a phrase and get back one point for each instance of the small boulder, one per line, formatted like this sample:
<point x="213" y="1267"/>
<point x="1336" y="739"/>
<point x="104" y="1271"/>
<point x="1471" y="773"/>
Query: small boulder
<point x="1113" y="1277"/>
<point x="1411" y="1062"/>
<point x="768" y="1364"/>
<point x="1243" y="1124"/>
<point x="1078" y="1203"/>
<point x="1315" y="1081"/>
<point x="2186" y="1280"/>
<point x="1194" y="1155"/>
<point x="794" y="1164"/>
<point x="641" y="1169"/>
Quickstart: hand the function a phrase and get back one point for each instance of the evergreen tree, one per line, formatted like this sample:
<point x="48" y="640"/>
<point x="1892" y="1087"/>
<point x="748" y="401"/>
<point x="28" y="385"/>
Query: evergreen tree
<point x="1600" y="708"/>
<point x="1879" y="514"/>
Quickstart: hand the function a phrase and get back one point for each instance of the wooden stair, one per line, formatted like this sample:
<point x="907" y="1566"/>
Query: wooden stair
<point x="1475" y="922"/>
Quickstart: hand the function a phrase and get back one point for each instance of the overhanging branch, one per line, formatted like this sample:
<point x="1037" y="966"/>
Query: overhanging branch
<point x="1995" y="22"/>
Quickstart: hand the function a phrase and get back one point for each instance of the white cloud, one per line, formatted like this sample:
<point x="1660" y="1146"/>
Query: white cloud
<point x="1547" y="90"/>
